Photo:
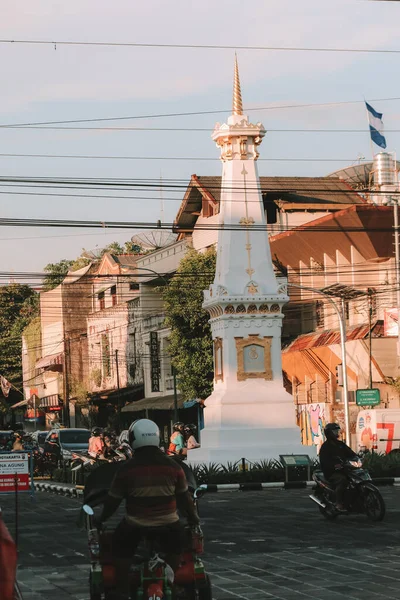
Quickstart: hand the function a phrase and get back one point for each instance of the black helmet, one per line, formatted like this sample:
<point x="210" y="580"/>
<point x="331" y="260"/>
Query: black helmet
<point x="332" y="431"/>
<point x="190" y="428"/>
<point x="178" y="426"/>
<point x="96" y="431"/>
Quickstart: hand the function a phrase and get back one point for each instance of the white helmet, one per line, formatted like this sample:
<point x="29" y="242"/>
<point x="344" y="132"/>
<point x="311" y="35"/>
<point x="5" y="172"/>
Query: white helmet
<point x="144" y="432"/>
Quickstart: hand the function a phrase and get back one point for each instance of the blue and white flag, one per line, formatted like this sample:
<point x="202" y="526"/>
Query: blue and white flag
<point x="376" y="126"/>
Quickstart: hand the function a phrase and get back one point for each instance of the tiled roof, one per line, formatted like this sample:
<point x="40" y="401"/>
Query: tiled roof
<point x="316" y="190"/>
<point x="332" y="336"/>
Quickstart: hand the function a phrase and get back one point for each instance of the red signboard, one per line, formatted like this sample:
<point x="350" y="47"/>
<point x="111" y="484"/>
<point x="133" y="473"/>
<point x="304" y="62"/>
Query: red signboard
<point x="7" y="483"/>
<point x="12" y="466"/>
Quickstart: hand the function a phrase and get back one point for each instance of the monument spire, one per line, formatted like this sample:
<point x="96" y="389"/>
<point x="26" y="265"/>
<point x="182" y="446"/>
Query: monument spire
<point x="237" y="105"/>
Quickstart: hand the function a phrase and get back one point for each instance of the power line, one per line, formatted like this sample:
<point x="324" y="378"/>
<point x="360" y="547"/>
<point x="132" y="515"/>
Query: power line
<point x="188" y="129"/>
<point x="180" y="158"/>
<point x="56" y="43"/>
<point x="194" y="113"/>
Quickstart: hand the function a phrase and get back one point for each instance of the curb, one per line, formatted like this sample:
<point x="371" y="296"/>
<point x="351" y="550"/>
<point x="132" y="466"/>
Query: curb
<point x="57" y="488"/>
<point x="289" y="485"/>
<point x="73" y="492"/>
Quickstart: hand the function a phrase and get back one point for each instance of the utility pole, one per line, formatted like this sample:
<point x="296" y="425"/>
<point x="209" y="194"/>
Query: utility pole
<point x="66" y="383"/>
<point x="119" y="397"/>
<point x="370" y="292"/>
<point x="397" y="269"/>
<point x="175" y="396"/>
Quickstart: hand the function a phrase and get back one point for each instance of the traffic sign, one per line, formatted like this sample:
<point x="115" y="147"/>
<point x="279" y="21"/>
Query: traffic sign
<point x="14" y="465"/>
<point x="368" y="397"/>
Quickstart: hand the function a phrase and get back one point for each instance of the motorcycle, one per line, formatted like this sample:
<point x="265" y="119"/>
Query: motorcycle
<point x="151" y="578"/>
<point x="361" y="495"/>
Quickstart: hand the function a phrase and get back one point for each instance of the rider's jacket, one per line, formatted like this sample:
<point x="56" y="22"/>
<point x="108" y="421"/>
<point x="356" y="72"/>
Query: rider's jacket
<point x="332" y="453"/>
<point x="149" y="482"/>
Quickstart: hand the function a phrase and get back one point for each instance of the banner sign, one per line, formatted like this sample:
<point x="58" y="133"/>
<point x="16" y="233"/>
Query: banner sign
<point x="154" y="362"/>
<point x="14" y="464"/>
<point x="390" y="322"/>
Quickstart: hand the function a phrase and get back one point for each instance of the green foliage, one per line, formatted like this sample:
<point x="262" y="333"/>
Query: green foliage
<point x="95" y="376"/>
<point x="79" y="391"/>
<point x="18" y="306"/>
<point x="190" y="342"/>
<point x="56" y="273"/>
<point x="33" y="336"/>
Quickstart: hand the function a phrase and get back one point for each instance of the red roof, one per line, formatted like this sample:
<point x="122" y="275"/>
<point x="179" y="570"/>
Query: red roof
<point x="332" y="336"/>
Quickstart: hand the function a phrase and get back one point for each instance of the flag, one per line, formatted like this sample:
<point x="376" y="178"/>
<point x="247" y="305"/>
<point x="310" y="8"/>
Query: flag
<point x="5" y="386"/>
<point x="376" y="126"/>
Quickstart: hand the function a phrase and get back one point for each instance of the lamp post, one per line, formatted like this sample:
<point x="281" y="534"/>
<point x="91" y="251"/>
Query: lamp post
<point x="394" y="201"/>
<point x="342" y="328"/>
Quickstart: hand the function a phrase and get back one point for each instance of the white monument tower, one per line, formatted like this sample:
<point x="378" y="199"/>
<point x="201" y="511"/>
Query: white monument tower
<point x="249" y="413"/>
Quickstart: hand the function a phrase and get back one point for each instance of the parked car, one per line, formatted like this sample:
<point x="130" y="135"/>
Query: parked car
<point x="62" y="442"/>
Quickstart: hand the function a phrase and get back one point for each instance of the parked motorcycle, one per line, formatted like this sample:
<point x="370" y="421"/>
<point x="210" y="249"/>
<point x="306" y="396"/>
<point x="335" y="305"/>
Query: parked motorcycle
<point x="361" y="495"/>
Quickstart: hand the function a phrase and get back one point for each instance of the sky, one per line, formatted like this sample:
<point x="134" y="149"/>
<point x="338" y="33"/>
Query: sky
<point x="55" y="82"/>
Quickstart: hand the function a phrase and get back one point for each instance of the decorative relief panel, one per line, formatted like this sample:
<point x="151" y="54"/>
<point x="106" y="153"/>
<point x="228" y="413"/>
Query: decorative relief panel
<point x="253" y="357"/>
<point x="218" y="360"/>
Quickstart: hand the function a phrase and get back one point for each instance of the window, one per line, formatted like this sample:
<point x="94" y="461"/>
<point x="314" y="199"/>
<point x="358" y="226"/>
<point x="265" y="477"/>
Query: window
<point x="347" y="310"/>
<point x="133" y="286"/>
<point x="113" y="292"/>
<point x="319" y="313"/>
<point x="101" y="299"/>
<point x="105" y="356"/>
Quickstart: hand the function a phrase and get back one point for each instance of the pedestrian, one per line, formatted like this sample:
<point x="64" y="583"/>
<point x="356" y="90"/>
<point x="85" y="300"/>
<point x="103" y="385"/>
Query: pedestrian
<point x="17" y="445"/>
<point x="191" y="442"/>
<point x="177" y="443"/>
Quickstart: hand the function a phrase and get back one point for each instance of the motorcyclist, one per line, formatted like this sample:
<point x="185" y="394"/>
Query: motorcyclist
<point x="177" y="443"/>
<point x="153" y="487"/>
<point x="96" y="444"/>
<point x="331" y="457"/>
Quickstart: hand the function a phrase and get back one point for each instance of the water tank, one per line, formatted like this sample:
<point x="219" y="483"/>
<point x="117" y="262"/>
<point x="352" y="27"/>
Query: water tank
<point x="384" y="170"/>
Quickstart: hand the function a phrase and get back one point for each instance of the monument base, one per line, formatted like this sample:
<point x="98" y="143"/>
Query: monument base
<point x="254" y="420"/>
<point x="231" y="445"/>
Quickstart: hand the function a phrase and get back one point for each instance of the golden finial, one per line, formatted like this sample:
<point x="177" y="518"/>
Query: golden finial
<point x="237" y="94"/>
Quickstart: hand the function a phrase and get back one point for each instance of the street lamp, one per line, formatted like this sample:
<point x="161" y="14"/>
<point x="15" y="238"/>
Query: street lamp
<point x="394" y="201"/>
<point x="338" y="290"/>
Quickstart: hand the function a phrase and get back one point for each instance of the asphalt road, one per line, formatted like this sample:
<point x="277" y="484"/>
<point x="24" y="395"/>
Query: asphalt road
<point x="272" y="544"/>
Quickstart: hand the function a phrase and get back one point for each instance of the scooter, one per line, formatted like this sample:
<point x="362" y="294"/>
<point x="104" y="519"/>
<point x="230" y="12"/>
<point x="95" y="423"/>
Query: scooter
<point x="361" y="495"/>
<point x="151" y="577"/>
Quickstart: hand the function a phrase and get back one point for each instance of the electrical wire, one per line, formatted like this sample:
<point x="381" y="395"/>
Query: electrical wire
<point x="56" y="43"/>
<point x="194" y="113"/>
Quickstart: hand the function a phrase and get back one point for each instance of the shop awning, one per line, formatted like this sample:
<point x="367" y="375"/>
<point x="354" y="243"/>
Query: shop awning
<point x="19" y="404"/>
<point x="156" y="403"/>
<point x="51" y="359"/>
<point x="48" y="401"/>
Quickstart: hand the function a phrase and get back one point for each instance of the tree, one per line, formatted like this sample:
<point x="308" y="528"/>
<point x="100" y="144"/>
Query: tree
<point x="18" y="306"/>
<point x="56" y="274"/>
<point x="190" y="342"/>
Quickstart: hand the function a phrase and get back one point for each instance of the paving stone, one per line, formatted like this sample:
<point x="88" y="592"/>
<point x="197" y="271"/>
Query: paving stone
<point x="271" y="545"/>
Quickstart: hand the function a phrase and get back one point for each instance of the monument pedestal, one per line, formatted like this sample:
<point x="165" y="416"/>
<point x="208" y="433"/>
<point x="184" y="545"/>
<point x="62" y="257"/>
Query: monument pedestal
<point x="254" y="420"/>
